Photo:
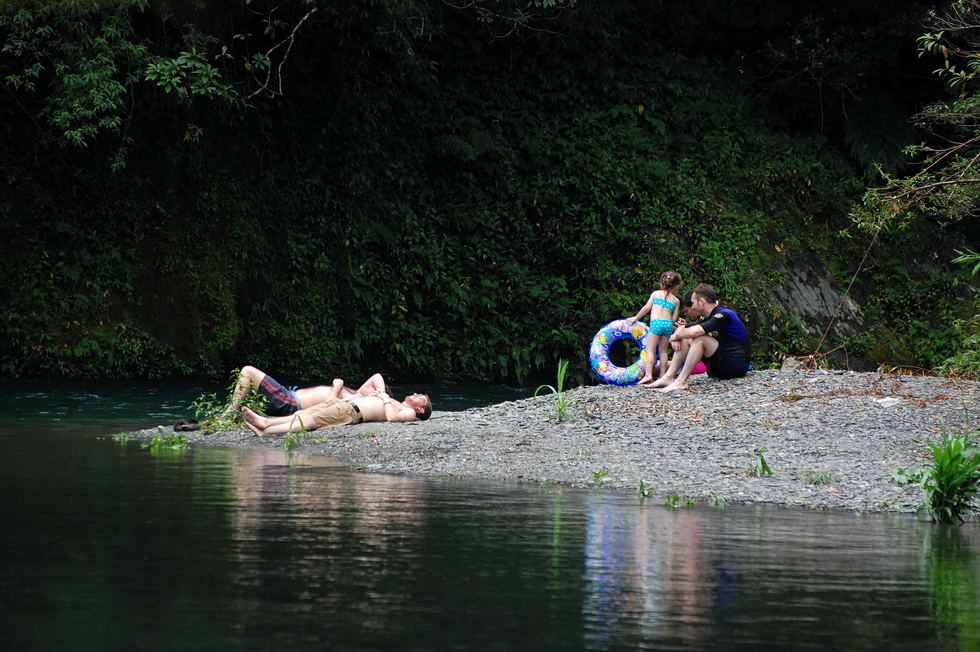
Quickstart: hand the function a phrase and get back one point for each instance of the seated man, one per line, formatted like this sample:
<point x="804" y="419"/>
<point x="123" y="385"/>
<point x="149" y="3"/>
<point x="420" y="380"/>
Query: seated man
<point x="335" y="412"/>
<point x="283" y="401"/>
<point x="719" y="338"/>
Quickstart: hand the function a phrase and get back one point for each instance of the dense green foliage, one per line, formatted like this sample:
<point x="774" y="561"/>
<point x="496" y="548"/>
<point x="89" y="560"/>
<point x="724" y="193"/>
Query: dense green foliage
<point x="944" y="185"/>
<point x="440" y="190"/>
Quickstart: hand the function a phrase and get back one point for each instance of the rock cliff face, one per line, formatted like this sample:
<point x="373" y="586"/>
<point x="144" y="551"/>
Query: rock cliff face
<point x="811" y="294"/>
<point x="794" y="304"/>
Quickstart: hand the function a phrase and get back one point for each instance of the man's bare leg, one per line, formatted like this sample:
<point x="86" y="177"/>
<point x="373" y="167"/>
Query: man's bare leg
<point x="295" y="422"/>
<point x="675" y="363"/>
<point x="248" y="378"/>
<point x="700" y="347"/>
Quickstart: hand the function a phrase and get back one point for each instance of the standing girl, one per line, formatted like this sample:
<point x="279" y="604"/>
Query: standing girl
<point x="663" y="306"/>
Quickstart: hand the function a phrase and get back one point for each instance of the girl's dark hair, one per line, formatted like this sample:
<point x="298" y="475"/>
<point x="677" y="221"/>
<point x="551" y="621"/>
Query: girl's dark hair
<point x="670" y="280"/>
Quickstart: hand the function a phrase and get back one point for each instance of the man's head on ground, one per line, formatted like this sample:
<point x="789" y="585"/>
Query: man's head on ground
<point x="421" y="404"/>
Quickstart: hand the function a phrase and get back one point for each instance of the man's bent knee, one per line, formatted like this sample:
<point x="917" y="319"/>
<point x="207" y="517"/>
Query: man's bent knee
<point x="707" y="344"/>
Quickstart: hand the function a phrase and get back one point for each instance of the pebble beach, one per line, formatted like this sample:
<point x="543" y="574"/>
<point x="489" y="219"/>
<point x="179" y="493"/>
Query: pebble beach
<point x="832" y="440"/>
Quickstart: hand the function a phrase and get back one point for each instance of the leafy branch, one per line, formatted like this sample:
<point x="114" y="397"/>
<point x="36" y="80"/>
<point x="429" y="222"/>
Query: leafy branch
<point x="945" y="184"/>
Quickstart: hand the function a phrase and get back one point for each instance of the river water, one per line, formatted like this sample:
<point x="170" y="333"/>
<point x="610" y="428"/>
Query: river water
<point x="106" y="545"/>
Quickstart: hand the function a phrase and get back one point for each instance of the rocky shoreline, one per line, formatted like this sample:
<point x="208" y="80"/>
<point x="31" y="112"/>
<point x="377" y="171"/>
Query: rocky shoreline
<point x="832" y="440"/>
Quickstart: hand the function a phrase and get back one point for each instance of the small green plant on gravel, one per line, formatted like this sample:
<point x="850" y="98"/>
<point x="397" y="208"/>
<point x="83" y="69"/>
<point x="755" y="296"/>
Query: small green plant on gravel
<point x="644" y="489"/>
<point x="599" y="477"/>
<point x="761" y="467"/>
<point x="674" y="502"/>
<point x="716" y="501"/>
<point x="294" y="439"/>
<point x="822" y="477"/>
<point x="952" y="477"/>
<point x="366" y="435"/>
<point x="166" y="441"/>
<point x="908" y="476"/>
<point x="320" y="440"/>
<point x="122" y="437"/>
<point x="561" y="409"/>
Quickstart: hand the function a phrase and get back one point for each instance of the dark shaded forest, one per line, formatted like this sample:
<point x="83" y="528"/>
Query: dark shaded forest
<point x="444" y="190"/>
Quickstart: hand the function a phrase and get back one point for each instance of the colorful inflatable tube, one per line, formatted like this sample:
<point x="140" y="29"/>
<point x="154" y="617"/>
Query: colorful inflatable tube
<point x="603" y="367"/>
<point x="599" y="352"/>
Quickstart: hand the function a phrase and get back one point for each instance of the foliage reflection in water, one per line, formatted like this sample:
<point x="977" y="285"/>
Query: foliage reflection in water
<point x="111" y="546"/>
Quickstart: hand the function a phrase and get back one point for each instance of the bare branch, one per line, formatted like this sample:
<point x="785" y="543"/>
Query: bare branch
<point x="264" y="87"/>
<point x="930" y="186"/>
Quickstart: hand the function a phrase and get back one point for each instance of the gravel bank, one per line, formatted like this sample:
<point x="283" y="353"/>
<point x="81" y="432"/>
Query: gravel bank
<point x="832" y="440"/>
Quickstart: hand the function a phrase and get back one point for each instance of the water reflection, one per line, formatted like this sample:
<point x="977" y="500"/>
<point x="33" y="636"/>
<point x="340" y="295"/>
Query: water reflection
<point x="690" y="578"/>
<point x="319" y="540"/>
<point x="647" y="574"/>
<point x="951" y="564"/>
<point x="109" y="546"/>
<point x="341" y="556"/>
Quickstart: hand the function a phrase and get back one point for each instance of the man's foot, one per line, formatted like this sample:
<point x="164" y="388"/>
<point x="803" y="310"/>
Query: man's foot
<point x="663" y="381"/>
<point x="674" y="387"/>
<point x="253" y="428"/>
<point x="251" y="418"/>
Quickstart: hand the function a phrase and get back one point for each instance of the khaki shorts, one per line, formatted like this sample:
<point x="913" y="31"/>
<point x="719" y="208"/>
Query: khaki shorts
<point x="332" y="413"/>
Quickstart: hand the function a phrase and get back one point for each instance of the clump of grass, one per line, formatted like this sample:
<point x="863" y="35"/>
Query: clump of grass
<point x="674" y="501"/>
<point x="952" y="476"/>
<point x="644" y="490"/>
<point x="562" y="409"/>
<point x="599" y="477"/>
<point x="292" y="440"/>
<point x="165" y="441"/>
<point x="295" y="439"/>
<point x="761" y="467"/>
